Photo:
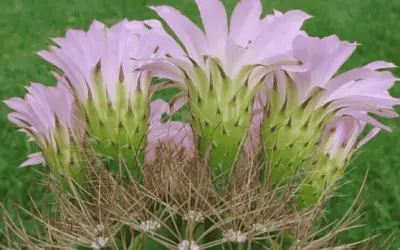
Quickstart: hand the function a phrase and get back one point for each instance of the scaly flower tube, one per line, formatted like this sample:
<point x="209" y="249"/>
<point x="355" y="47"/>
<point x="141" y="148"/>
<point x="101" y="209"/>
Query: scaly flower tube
<point x="220" y="70"/>
<point x="50" y="117"/>
<point x="339" y="141"/>
<point x="299" y="105"/>
<point x="114" y="98"/>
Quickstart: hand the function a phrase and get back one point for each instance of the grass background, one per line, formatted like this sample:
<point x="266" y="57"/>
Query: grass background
<point x="26" y="25"/>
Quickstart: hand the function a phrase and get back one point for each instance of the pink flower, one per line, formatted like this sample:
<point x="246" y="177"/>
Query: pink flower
<point x="101" y="69"/>
<point x="300" y="106"/>
<point x="220" y="69"/>
<point x="102" y="57"/>
<point x="309" y="98"/>
<point x="51" y="119"/>
<point x="364" y="89"/>
<point x="248" y="40"/>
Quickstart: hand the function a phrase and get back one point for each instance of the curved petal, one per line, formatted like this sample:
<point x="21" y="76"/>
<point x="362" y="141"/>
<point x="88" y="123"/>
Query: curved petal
<point x="368" y="119"/>
<point x="164" y="69"/>
<point x="322" y="57"/>
<point x="215" y="23"/>
<point x="159" y="36"/>
<point x="191" y="36"/>
<point x="368" y="137"/>
<point x="16" y="103"/>
<point x="380" y="65"/>
<point x="245" y="21"/>
<point x="277" y="37"/>
<point x="33" y="159"/>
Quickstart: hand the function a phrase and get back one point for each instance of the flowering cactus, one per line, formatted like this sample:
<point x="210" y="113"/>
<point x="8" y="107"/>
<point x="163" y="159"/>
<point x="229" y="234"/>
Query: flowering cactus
<point x="255" y="83"/>
<point x="300" y="105"/>
<point x="100" y="68"/>
<point x="50" y="117"/>
<point x="221" y="70"/>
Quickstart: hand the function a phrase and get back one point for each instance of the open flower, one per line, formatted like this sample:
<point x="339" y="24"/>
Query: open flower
<point x="50" y="117"/>
<point x="300" y="105"/>
<point x="220" y="69"/>
<point x="100" y="69"/>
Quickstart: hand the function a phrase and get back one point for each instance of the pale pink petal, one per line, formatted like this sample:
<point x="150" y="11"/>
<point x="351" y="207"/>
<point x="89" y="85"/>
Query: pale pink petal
<point x="164" y="69"/>
<point x="368" y="119"/>
<point x="191" y="36"/>
<point x="162" y="38"/>
<point x="33" y="159"/>
<point x="174" y="135"/>
<point x="215" y="23"/>
<point x="50" y="57"/>
<point x="368" y="137"/>
<point x="244" y="26"/>
<point x="96" y="25"/>
<point x="352" y="75"/>
<point x="18" y="118"/>
<point x="233" y="53"/>
<point x="284" y="30"/>
<point x="18" y="104"/>
<point x="345" y="133"/>
<point x="278" y="13"/>
<point x="373" y="89"/>
<point x="322" y="58"/>
<point x="380" y="65"/>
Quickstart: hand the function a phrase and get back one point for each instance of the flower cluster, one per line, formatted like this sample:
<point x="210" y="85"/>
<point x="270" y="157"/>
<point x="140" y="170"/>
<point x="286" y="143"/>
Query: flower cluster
<point x="254" y="87"/>
<point x="255" y="83"/>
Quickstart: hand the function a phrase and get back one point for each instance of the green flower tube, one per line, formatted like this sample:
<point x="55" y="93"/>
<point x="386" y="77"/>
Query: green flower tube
<point x="299" y="106"/>
<point x="114" y="98"/>
<point x="50" y="117"/>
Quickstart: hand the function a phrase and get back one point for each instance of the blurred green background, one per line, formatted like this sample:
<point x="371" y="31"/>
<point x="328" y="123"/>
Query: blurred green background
<point x="27" y="25"/>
